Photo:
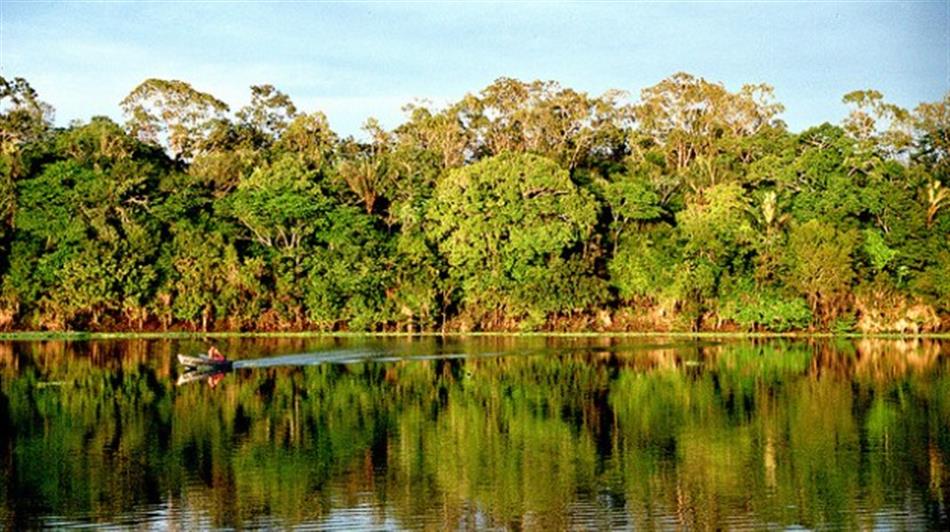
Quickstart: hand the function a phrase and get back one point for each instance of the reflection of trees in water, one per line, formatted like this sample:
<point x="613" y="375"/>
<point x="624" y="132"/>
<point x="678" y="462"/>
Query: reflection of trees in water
<point x="881" y="360"/>
<point x="693" y="435"/>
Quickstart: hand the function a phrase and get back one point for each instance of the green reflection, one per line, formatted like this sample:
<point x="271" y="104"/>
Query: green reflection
<point x="591" y="433"/>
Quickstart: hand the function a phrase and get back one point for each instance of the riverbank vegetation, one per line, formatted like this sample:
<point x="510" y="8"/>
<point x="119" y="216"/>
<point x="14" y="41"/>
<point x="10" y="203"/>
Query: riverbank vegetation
<point x="525" y="206"/>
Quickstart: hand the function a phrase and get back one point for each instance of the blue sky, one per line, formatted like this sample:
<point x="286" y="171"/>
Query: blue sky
<point x="355" y="60"/>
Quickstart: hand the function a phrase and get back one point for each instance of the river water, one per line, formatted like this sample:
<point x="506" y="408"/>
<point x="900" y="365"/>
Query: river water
<point x="484" y="432"/>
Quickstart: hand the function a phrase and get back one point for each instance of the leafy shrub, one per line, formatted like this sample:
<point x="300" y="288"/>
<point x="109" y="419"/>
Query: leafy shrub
<point x="643" y="264"/>
<point x="765" y="308"/>
<point x="877" y="251"/>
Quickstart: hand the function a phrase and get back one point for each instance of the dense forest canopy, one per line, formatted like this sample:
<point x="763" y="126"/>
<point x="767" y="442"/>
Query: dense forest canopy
<point x="525" y="206"/>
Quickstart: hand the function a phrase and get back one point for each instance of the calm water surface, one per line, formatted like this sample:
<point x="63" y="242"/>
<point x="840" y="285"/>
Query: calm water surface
<point x="536" y="433"/>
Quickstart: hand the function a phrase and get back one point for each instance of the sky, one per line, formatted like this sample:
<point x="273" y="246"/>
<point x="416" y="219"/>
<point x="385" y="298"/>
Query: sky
<point x="353" y="60"/>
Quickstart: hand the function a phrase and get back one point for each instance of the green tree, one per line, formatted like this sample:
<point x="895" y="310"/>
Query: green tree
<point x="24" y="118"/>
<point x="524" y="204"/>
<point x="269" y="113"/>
<point x="819" y="265"/>
<point x="694" y="120"/>
<point x="171" y="113"/>
<point x="633" y="200"/>
<point x="644" y="263"/>
<point x="281" y="204"/>
<point x="504" y="225"/>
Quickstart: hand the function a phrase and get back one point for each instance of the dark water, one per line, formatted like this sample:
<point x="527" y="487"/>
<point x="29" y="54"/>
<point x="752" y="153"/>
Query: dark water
<point x="538" y="433"/>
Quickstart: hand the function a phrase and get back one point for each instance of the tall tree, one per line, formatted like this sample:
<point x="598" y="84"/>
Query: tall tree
<point x="693" y="121"/>
<point x="173" y="114"/>
<point x="510" y="227"/>
<point x="23" y="116"/>
<point x="269" y="112"/>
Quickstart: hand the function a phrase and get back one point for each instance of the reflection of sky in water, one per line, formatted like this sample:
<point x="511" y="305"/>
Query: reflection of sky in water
<point x="370" y="515"/>
<point x="487" y="432"/>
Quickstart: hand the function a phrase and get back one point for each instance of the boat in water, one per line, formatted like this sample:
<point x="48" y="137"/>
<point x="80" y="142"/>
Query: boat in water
<point x="210" y="367"/>
<point x="202" y="362"/>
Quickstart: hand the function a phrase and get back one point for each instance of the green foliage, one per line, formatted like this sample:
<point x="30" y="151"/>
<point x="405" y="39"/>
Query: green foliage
<point x="171" y="113"/>
<point x="7" y="203"/>
<point x="764" y="309"/>
<point x="843" y="324"/>
<point x="347" y="280"/>
<point x="715" y="224"/>
<point x="934" y="282"/>
<point x="644" y="263"/>
<point x="195" y="267"/>
<point x="281" y="205"/>
<point x="504" y="223"/>
<point x="819" y="265"/>
<point x="632" y="199"/>
<point x="524" y="206"/>
<point x="24" y="119"/>
<point x="877" y="251"/>
<point x="269" y="112"/>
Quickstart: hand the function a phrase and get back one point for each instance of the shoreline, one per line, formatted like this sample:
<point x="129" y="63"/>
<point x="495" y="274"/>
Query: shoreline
<point x="84" y="335"/>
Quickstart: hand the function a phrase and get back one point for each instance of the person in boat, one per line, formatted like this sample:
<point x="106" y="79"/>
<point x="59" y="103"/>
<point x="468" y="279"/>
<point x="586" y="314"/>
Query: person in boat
<point x="213" y="365"/>
<point x="215" y="355"/>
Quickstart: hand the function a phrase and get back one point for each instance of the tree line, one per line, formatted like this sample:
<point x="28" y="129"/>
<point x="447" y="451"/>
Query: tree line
<point x="525" y="206"/>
